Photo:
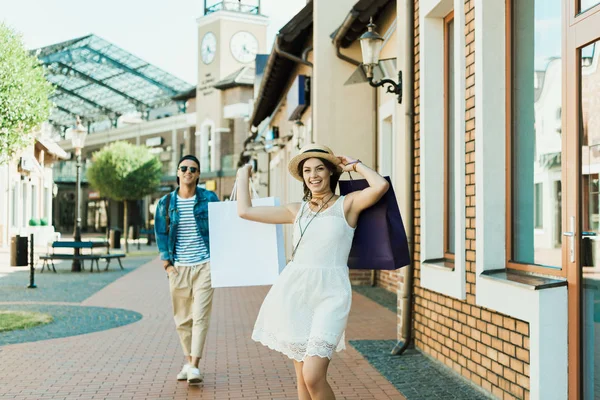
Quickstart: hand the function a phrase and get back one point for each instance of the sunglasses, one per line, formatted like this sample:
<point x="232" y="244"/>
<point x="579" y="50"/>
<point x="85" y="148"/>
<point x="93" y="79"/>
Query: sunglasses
<point x="184" y="169"/>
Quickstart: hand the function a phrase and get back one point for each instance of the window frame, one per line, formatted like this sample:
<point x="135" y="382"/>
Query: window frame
<point x="558" y="271"/>
<point x="448" y="255"/>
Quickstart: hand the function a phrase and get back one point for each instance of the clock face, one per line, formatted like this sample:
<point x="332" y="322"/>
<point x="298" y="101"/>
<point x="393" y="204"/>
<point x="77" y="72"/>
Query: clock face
<point x="208" y="48"/>
<point x="244" y="47"/>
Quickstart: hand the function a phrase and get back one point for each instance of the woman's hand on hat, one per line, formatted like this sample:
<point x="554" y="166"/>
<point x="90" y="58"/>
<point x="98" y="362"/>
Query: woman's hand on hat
<point x="346" y="163"/>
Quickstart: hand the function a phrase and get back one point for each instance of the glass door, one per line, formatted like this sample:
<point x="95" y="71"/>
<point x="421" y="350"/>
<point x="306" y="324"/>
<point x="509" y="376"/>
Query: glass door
<point x="582" y="103"/>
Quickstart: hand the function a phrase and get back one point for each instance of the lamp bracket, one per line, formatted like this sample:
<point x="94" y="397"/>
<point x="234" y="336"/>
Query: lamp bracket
<point x="393" y="87"/>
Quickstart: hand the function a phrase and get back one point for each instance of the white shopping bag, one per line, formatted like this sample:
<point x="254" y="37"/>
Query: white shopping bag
<point x="242" y="252"/>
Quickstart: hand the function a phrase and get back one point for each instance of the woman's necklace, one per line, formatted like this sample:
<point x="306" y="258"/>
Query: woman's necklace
<point x="303" y="231"/>
<point x="318" y="202"/>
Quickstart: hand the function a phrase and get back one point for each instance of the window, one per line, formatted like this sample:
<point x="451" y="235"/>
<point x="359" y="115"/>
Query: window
<point x="15" y="201"/>
<point x="47" y="204"/>
<point x="449" y="140"/>
<point x="207" y="144"/>
<point x="34" y="201"/>
<point x="210" y="143"/>
<point x="539" y="206"/>
<point x="534" y="140"/>
<point x="24" y="200"/>
<point x="591" y="210"/>
<point x="443" y="147"/>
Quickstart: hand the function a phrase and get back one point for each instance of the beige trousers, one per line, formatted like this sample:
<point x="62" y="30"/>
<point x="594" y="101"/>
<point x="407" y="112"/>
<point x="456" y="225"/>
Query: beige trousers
<point x="192" y="294"/>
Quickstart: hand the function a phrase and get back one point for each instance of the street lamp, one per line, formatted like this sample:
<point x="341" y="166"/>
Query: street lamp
<point x="370" y="44"/>
<point x="78" y="135"/>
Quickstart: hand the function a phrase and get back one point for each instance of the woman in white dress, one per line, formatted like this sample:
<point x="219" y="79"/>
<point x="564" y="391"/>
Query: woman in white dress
<point x="304" y="315"/>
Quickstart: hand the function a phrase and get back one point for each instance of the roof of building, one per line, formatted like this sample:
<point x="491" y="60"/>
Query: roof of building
<point x="359" y="15"/>
<point x="98" y="81"/>
<point x="242" y="77"/>
<point x="52" y="147"/>
<point x="292" y="39"/>
<point x="185" y="95"/>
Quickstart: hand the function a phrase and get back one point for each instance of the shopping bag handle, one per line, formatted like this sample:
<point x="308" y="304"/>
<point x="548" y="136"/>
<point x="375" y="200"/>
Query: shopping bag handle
<point x="233" y="196"/>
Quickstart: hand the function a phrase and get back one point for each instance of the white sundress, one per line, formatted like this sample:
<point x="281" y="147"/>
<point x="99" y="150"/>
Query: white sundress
<point x="306" y="311"/>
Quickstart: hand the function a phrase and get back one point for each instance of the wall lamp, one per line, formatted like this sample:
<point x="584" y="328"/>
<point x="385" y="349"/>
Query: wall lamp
<point x="370" y="44"/>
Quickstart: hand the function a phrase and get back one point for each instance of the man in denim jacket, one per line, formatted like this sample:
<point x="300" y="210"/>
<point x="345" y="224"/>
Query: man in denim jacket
<point x="183" y="241"/>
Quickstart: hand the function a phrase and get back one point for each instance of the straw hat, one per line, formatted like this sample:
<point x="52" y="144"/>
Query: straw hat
<point x="312" y="150"/>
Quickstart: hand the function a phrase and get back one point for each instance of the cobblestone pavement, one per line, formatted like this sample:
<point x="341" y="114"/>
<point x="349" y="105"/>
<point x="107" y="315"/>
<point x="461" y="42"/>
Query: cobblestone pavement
<point x="140" y="360"/>
<point x="64" y="285"/>
<point x="416" y="376"/>
<point x="379" y="295"/>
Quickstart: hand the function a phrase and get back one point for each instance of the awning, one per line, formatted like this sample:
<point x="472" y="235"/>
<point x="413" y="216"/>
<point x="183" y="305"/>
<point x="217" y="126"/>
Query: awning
<point x="52" y="148"/>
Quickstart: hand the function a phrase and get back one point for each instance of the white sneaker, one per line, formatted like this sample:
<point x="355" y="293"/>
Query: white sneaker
<point x="194" y="375"/>
<point x="183" y="374"/>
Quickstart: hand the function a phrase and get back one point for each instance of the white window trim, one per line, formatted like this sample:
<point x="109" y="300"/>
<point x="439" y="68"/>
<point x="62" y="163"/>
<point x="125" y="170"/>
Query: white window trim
<point x="439" y="279"/>
<point x="545" y="310"/>
<point x="387" y="110"/>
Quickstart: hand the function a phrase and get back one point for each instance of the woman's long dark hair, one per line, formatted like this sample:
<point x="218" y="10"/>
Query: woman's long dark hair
<point x="333" y="179"/>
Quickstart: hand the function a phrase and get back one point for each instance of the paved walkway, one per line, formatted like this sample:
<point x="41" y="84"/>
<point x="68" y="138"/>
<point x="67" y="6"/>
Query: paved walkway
<point x="140" y="360"/>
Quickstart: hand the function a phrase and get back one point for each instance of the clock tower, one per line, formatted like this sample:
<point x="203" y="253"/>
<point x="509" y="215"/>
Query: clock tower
<point x="230" y="34"/>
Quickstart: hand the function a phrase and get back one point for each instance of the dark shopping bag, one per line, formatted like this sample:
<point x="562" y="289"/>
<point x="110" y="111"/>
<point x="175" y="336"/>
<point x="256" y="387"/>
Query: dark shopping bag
<point x="380" y="239"/>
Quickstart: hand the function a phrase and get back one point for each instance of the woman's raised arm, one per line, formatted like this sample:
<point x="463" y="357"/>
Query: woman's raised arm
<point x="268" y="215"/>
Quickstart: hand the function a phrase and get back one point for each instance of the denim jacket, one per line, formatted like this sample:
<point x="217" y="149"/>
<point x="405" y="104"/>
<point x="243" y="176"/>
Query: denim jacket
<point x="166" y="244"/>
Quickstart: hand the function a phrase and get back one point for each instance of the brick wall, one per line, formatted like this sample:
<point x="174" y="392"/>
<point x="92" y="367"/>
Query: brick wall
<point x="360" y="277"/>
<point x="490" y="349"/>
<point x="388" y="280"/>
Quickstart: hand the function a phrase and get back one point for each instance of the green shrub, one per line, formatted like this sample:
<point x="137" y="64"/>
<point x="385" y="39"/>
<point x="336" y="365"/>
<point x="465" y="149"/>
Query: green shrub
<point x="34" y="222"/>
<point x="43" y="222"/>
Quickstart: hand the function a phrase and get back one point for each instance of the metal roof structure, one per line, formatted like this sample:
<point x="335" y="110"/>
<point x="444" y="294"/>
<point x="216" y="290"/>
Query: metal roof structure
<point x="99" y="81"/>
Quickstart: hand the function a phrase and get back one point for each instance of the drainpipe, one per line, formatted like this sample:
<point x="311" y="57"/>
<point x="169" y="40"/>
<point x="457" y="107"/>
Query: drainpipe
<point x="337" y="39"/>
<point x="290" y="56"/>
<point x="376" y="155"/>
<point x="407" y="289"/>
<point x="305" y="53"/>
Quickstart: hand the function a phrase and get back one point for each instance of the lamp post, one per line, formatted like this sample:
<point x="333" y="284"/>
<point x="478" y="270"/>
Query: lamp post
<point x="78" y="135"/>
<point x="370" y="44"/>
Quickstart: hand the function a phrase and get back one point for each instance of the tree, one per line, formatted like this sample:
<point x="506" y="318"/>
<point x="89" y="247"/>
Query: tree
<point x="24" y="94"/>
<point x="122" y="171"/>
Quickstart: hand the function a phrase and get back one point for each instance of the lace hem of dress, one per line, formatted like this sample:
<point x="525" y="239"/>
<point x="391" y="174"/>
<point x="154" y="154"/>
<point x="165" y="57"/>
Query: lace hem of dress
<point x="299" y="351"/>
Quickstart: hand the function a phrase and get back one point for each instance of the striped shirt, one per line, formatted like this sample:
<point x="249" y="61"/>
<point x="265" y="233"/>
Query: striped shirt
<point x="190" y="249"/>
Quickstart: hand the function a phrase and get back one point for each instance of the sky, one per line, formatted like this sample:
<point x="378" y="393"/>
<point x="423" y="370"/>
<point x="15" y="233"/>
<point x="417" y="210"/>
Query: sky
<point x="160" y="32"/>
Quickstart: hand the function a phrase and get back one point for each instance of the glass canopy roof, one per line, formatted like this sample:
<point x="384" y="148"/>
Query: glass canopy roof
<point x="100" y="82"/>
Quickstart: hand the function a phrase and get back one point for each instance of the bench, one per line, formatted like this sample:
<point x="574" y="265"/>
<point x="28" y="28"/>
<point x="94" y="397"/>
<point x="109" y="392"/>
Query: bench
<point x="49" y="258"/>
<point x="63" y="244"/>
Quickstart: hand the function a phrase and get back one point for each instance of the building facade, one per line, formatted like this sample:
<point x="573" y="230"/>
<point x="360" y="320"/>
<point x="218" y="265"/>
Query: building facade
<point x="493" y="157"/>
<point x="230" y="35"/>
<point x="27" y="197"/>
